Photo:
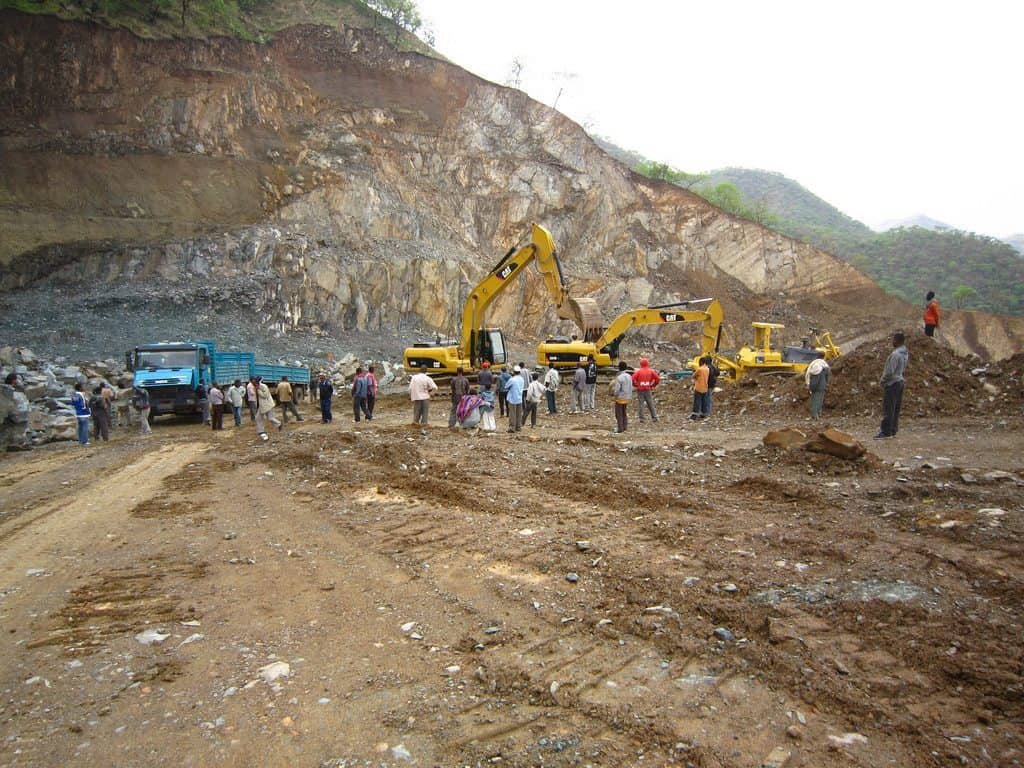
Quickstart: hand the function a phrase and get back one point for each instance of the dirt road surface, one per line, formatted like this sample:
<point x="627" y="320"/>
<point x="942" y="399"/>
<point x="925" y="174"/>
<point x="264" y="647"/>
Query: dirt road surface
<point x="378" y="594"/>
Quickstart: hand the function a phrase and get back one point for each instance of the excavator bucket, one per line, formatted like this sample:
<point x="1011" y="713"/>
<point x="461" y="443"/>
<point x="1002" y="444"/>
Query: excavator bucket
<point x="588" y="315"/>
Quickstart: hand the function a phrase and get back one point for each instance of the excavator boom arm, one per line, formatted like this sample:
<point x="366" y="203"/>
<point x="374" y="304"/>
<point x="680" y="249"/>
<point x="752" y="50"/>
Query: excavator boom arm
<point x="542" y="249"/>
<point x="711" y="316"/>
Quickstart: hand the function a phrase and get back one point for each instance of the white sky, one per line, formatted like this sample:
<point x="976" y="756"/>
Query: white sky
<point x="883" y="109"/>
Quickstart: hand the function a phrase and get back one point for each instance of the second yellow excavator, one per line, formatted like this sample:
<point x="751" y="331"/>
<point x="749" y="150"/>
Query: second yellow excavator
<point x="565" y="353"/>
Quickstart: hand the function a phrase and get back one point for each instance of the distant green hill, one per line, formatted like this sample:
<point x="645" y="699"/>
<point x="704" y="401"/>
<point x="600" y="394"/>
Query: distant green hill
<point x="985" y="273"/>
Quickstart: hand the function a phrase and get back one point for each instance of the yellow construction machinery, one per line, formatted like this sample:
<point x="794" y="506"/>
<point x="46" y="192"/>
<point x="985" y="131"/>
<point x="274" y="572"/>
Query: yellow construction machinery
<point x="442" y="357"/>
<point x="565" y="353"/>
<point x="763" y="357"/>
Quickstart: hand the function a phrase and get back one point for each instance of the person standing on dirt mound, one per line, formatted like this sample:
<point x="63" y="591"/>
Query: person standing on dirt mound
<point x="931" y="314"/>
<point x="816" y="377"/>
<point x="892" y="387"/>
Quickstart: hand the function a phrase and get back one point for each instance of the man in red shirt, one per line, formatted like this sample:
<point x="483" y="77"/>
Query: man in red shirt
<point x="645" y="379"/>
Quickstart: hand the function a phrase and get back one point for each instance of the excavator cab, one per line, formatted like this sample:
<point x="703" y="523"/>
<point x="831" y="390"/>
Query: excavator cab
<point x="489" y="345"/>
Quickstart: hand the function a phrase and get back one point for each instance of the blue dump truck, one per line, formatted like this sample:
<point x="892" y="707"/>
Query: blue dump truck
<point x="171" y="371"/>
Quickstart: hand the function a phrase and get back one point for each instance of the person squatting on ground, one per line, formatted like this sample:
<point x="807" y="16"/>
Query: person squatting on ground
<point x="487" y="406"/>
<point x="286" y="397"/>
<point x="100" y="415"/>
<point x="816" y="377"/>
<point x="892" y="386"/>
<point x="81" y="405"/>
<point x="458" y="389"/>
<point x="236" y="396"/>
<point x="700" y="390"/>
<point x="216" y="406"/>
<point x="514" y="400"/>
<point x="265" y="409"/>
<point x="531" y="401"/>
<point x="551" y="382"/>
<point x="371" y="391"/>
<point x="203" y="401"/>
<point x="622" y="393"/>
<point x="140" y="401"/>
<point x="325" y="391"/>
<point x="589" y="400"/>
<point x="645" y="379"/>
<point x="360" y="386"/>
<point x="420" y="387"/>
<point x="931" y="313"/>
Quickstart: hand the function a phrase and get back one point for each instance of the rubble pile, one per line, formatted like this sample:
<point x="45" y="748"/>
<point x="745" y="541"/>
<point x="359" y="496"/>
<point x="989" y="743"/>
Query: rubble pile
<point x="939" y="382"/>
<point x="38" y="408"/>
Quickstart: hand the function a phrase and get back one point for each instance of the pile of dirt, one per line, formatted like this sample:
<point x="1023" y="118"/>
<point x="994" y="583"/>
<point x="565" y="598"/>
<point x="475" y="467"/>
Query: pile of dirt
<point x="938" y="382"/>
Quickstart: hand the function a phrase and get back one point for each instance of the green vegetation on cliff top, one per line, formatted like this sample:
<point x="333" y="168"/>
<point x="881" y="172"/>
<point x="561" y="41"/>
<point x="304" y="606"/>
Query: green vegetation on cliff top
<point x="247" y="19"/>
<point x="984" y="273"/>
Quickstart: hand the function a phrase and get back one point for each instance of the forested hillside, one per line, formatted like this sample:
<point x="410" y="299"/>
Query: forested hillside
<point x="968" y="270"/>
<point x="965" y="269"/>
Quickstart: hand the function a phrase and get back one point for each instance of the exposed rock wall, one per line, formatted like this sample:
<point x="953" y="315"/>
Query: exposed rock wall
<point x="360" y="183"/>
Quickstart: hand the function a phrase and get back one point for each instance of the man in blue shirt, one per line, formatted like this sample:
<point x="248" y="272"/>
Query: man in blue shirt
<point x="514" y="395"/>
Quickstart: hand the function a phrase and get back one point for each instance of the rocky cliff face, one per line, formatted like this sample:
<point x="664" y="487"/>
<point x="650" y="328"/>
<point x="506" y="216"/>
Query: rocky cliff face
<point x="350" y="186"/>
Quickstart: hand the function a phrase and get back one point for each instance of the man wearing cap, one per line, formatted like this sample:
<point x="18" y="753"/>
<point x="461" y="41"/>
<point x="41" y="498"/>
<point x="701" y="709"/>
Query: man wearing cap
<point x="645" y="379"/>
<point x="485" y="378"/>
<point x="514" y="397"/>
<point x="264" y="408"/>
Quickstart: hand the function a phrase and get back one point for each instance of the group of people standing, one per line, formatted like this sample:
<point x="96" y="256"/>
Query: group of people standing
<point x="517" y="394"/>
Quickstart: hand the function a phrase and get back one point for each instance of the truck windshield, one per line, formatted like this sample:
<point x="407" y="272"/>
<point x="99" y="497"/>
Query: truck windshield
<point x="166" y="358"/>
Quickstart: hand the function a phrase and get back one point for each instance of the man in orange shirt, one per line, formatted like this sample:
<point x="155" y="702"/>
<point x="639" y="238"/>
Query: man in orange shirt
<point x="700" y="390"/>
<point x="931" y="314"/>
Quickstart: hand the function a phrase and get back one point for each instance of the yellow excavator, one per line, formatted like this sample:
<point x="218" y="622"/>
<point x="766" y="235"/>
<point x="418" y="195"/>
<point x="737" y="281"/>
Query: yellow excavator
<point x="763" y="357"/>
<point x="441" y="358"/>
<point x="565" y="353"/>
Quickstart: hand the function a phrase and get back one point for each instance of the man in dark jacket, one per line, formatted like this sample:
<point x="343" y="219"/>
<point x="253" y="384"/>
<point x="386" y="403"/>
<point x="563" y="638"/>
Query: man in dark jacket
<point x="459" y="387"/>
<point x="325" y="391"/>
<point x="892" y="387"/>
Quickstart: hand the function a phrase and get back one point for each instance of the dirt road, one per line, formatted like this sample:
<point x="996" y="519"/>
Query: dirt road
<point x="382" y="595"/>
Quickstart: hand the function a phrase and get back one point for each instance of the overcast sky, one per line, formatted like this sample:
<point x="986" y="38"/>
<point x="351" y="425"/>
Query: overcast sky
<point x="884" y="109"/>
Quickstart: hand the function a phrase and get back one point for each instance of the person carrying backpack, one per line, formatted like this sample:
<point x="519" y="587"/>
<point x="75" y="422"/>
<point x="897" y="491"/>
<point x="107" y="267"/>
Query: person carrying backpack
<point x="100" y="415"/>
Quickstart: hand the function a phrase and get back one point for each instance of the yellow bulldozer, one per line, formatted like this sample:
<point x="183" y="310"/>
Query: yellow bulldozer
<point x="764" y="357"/>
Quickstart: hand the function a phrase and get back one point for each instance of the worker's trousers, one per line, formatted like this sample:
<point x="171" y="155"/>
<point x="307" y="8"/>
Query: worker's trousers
<point x="515" y="417"/>
<point x="891" y="402"/>
<point x="644" y="398"/>
<point x="588" y="396"/>
<point x="817" y="400"/>
<point x="420" y="411"/>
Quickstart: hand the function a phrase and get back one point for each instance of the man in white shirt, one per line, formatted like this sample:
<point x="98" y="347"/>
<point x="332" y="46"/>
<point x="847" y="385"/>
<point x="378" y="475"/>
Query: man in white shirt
<point x="816" y="377"/>
<point x="420" y="387"/>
